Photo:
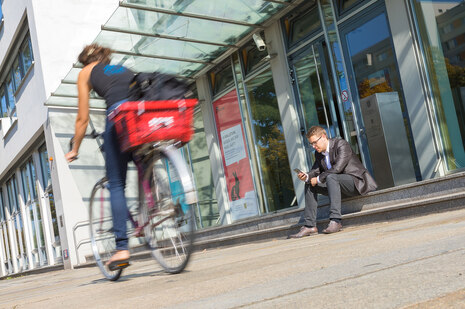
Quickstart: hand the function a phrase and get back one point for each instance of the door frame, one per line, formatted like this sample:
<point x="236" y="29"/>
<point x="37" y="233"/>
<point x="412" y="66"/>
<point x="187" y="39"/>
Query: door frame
<point x="325" y="80"/>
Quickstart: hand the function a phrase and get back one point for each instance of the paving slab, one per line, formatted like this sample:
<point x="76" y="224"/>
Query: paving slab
<point x="412" y="263"/>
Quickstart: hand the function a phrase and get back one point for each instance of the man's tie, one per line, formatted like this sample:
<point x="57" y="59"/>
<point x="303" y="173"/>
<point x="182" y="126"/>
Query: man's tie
<point x="328" y="163"/>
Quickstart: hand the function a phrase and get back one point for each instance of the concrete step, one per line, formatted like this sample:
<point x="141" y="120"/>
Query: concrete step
<point x="436" y="195"/>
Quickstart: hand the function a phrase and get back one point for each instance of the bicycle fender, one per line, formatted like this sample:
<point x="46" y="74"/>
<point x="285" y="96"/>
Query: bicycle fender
<point x="174" y="155"/>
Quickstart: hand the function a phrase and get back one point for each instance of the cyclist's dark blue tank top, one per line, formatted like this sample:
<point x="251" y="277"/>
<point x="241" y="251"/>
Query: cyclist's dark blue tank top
<point x="111" y="82"/>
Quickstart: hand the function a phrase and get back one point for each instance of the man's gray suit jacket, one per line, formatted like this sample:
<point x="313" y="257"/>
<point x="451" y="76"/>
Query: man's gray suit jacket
<point x="343" y="161"/>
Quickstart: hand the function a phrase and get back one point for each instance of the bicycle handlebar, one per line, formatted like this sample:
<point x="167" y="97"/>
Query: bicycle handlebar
<point x="93" y="134"/>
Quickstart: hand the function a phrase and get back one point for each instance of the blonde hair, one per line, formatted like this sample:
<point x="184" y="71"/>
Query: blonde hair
<point x="94" y="52"/>
<point x="316" y="131"/>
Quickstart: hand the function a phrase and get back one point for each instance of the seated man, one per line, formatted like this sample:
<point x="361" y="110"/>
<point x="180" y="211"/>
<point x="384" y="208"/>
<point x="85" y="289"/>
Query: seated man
<point x="337" y="170"/>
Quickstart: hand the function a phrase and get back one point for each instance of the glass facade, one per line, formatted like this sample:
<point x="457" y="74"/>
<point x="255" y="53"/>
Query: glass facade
<point x="29" y="183"/>
<point x="269" y="142"/>
<point x="24" y="211"/>
<point x="5" y="248"/>
<point x="19" y="238"/>
<point x="251" y="135"/>
<point x="49" y="201"/>
<point x="339" y="78"/>
<point x="441" y="29"/>
<point x="197" y="154"/>
<point x="345" y="74"/>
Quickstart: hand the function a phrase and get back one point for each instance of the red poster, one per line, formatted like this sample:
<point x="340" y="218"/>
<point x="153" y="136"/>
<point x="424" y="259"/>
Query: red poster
<point x="235" y="158"/>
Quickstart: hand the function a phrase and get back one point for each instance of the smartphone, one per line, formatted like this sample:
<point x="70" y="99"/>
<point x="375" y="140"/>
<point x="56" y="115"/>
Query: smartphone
<point x="297" y="171"/>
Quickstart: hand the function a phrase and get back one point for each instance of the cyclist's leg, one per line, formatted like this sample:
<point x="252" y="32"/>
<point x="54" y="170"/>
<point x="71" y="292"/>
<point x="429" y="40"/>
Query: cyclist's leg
<point x="116" y="168"/>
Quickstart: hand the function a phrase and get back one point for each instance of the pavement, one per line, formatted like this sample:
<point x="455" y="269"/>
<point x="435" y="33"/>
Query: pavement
<point x="411" y="263"/>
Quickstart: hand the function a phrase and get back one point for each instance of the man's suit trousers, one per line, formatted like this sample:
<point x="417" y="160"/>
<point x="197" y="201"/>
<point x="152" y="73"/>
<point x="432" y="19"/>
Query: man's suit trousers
<point x="335" y="186"/>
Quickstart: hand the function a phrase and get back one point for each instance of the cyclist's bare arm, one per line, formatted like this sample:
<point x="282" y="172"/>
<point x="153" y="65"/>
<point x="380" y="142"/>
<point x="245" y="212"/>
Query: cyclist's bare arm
<point x="82" y="118"/>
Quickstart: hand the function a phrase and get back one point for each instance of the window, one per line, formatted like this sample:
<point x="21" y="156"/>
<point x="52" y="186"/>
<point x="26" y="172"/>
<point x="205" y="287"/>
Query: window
<point x="2" y="210"/>
<point x="3" y="103"/>
<point x="252" y="57"/>
<point x="10" y="98"/>
<point x="18" y="73"/>
<point x="1" y="16"/>
<point x="302" y="24"/>
<point x="446" y="70"/>
<point x="447" y="28"/>
<point x="222" y="77"/>
<point x="26" y="54"/>
<point x="344" y="5"/>
<point x="22" y="63"/>
<point x="451" y="44"/>
<point x="12" y="196"/>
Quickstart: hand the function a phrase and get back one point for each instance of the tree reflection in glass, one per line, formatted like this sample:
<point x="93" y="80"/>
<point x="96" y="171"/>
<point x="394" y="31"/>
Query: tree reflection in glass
<point x="269" y="139"/>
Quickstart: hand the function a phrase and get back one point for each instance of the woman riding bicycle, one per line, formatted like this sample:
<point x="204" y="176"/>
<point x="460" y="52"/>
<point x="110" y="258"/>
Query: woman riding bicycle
<point x="112" y="83"/>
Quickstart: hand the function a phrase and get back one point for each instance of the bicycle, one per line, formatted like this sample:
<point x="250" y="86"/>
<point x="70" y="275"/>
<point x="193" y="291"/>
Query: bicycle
<point x="165" y="217"/>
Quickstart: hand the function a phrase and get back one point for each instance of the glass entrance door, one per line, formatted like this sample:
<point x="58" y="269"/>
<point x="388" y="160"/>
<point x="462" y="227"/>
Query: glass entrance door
<point x="315" y="91"/>
<point x="378" y="98"/>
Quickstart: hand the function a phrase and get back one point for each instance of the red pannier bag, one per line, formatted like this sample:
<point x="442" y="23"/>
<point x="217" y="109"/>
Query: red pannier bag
<point x="141" y="122"/>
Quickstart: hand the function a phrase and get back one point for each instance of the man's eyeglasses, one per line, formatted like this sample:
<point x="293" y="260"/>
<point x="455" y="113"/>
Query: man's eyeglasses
<point x="314" y="143"/>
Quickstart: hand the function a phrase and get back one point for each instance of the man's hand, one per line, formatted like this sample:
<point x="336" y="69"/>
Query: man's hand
<point x="314" y="181"/>
<point x="71" y="156"/>
<point x="302" y="176"/>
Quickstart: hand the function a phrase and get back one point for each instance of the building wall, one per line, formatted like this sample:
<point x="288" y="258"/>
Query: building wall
<point x="73" y="24"/>
<point x="58" y="31"/>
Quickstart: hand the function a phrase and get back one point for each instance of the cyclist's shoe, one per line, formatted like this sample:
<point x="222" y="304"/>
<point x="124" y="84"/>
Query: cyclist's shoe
<point x="119" y="260"/>
<point x="119" y="264"/>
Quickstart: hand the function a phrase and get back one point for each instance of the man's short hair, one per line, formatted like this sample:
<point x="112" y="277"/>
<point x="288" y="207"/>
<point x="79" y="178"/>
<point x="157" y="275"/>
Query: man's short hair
<point x="316" y="131"/>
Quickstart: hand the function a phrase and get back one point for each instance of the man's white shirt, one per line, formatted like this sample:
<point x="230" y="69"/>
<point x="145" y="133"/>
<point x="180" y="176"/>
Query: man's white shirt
<point x="328" y="162"/>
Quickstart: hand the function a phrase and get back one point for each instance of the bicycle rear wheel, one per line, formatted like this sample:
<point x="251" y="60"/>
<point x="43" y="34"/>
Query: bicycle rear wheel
<point x="167" y="207"/>
<point x="101" y="228"/>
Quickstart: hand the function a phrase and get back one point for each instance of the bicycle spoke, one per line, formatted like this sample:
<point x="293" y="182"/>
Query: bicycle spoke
<point x="101" y="229"/>
<point x="170" y="232"/>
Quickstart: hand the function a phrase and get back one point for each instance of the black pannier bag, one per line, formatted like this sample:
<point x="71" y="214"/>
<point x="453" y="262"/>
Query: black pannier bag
<point x="156" y="110"/>
<point x="157" y="87"/>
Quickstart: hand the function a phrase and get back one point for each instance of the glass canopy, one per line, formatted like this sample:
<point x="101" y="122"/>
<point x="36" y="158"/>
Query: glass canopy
<point x="180" y="37"/>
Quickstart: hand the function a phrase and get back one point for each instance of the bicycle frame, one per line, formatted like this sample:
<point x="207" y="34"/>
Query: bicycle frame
<point x="171" y="151"/>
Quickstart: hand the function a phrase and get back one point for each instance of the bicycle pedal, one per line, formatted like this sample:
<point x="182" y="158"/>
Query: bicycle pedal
<point x="115" y="265"/>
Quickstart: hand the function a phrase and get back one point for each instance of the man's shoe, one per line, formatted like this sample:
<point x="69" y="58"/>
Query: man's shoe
<point x="333" y="227"/>
<point x="305" y="231"/>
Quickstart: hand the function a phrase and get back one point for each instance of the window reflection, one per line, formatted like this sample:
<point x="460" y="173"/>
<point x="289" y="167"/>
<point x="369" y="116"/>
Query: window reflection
<point x="312" y="92"/>
<point x="441" y="26"/>
<point x="17" y="72"/>
<point x="201" y="168"/>
<point x="382" y="105"/>
<point x="46" y="185"/>
<point x="10" y="97"/>
<point x="252" y="57"/>
<point x="26" y="54"/>
<point x="344" y="5"/>
<point x="222" y="77"/>
<point x="299" y="25"/>
<point x="269" y="139"/>
<point x="3" y="103"/>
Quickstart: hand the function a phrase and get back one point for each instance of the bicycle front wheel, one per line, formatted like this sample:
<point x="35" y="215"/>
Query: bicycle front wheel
<point x="101" y="228"/>
<point x="168" y="210"/>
